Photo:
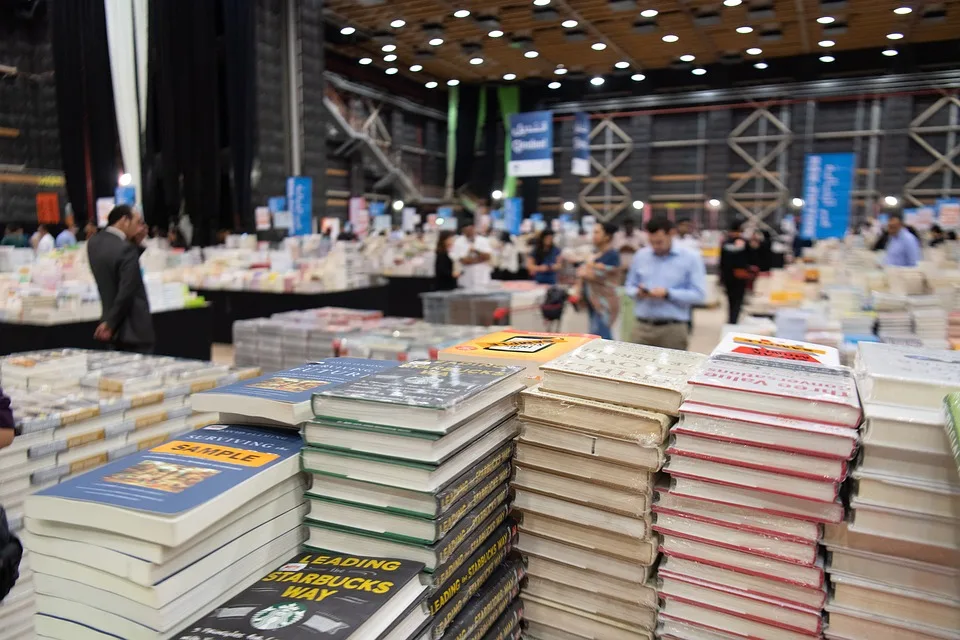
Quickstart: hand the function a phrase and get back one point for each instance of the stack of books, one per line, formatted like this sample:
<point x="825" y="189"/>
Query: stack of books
<point x="139" y="547"/>
<point x="755" y="465"/>
<point x="591" y="443"/>
<point x="413" y="462"/>
<point x="895" y="564"/>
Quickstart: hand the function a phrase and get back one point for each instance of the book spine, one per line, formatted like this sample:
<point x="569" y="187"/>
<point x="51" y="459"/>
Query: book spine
<point x="951" y="406"/>
<point x="455" y="513"/>
<point x="485" y="608"/>
<point x="469" y="523"/>
<point x="478" y="515"/>
<point x="466" y="481"/>
<point x="445" y="570"/>
<point x="509" y="625"/>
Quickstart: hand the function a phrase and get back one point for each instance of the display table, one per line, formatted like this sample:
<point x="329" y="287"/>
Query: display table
<point x="230" y="306"/>
<point x="184" y="333"/>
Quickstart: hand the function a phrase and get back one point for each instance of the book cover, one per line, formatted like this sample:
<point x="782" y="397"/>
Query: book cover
<point x="754" y="346"/>
<point x="511" y="346"/>
<point x="951" y="405"/>
<point x="422" y="383"/>
<point x="314" y="594"/>
<point x="184" y="473"/>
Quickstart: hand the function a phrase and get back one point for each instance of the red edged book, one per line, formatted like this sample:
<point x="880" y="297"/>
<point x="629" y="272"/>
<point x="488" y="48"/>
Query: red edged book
<point x="698" y="615"/>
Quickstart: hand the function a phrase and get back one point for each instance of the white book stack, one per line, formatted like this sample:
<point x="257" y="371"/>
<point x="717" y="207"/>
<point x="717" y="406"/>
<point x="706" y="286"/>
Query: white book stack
<point x="755" y="465"/>
<point x="894" y="563"/>
<point x="591" y="443"/>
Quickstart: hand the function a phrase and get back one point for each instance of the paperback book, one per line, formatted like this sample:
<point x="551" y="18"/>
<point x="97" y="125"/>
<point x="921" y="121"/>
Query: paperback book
<point x="528" y="349"/>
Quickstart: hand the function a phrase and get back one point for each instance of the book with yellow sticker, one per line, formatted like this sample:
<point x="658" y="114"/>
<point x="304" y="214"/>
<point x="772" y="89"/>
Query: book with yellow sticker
<point x="527" y="349"/>
<point x="176" y="490"/>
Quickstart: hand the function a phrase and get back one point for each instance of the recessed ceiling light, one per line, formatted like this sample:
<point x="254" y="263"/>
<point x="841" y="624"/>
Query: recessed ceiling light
<point x="431" y="85"/>
<point x="699" y="71"/>
<point x="754" y="51"/>
<point x="670" y="38"/>
<point x="496" y="33"/>
<point x="638" y="77"/>
<point x="509" y="76"/>
<point x="387" y="48"/>
<point x="638" y="204"/>
<point x="530" y="54"/>
<point x="826" y="19"/>
<point x="827" y="58"/>
<point x="732" y="3"/>
<point x="598" y="46"/>
<point x="890" y="52"/>
<point x="396" y="24"/>
<point x="760" y="65"/>
<point x="826" y="43"/>
<point x="649" y="13"/>
<point x="453" y="83"/>
<point x="560" y="71"/>
<point x="623" y="64"/>
<point x="436" y="42"/>
<point x="416" y="67"/>
<point x="390" y="57"/>
<point x="461" y="13"/>
<point x="476" y="60"/>
<point x="541" y="3"/>
<point x="744" y="29"/>
<point x="348" y="31"/>
<point x="902" y="11"/>
<point x="365" y="60"/>
<point x="569" y="24"/>
<point x="553" y="85"/>
<point x="391" y="71"/>
<point x="688" y="57"/>
<point x="895" y="36"/>
<point x="596" y="81"/>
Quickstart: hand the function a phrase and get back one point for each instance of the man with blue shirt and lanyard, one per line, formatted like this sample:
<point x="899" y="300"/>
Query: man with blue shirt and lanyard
<point x="903" y="248"/>
<point x="666" y="281"/>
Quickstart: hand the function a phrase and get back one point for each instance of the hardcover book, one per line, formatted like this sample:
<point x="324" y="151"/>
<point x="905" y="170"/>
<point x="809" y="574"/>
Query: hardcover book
<point x="913" y="376"/>
<point x="528" y="349"/>
<point x="763" y="347"/>
<point x="633" y="569"/>
<point x="942" y="613"/>
<point x="770" y="503"/>
<point x="924" y="577"/>
<point x="552" y="616"/>
<point x="582" y="443"/>
<point x="529" y="502"/>
<point x="675" y="609"/>
<point x="902" y="427"/>
<point x="630" y="503"/>
<point x="852" y="623"/>
<point x="509" y="626"/>
<point x="951" y="424"/>
<point x="583" y="468"/>
<point x="577" y="598"/>
<point x="606" y="586"/>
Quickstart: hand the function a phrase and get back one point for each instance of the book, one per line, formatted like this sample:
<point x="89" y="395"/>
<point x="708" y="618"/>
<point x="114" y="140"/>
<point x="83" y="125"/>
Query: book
<point x="555" y="616"/>
<point x="814" y="393"/>
<point x="628" y="569"/>
<point x="845" y="535"/>
<point x="606" y="586"/>
<point x="645" y="428"/>
<point x="918" y="576"/>
<point x="509" y="625"/>
<point x="763" y="347"/>
<point x="623" y="373"/>
<point x="929" y="530"/>
<point x="574" y="597"/>
<point x="931" y="466"/>
<point x="876" y="598"/>
<point x="423" y="504"/>
<point x="727" y="424"/>
<point x="528" y="349"/>
<point x="415" y="476"/>
<point x="527" y="501"/>
<point x="583" y="468"/>
<point x="857" y="625"/>
<point x="911" y="376"/>
<point x="907" y="427"/>
<point x="674" y="609"/>
<point x="425" y="395"/>
<point x="908" y="494"/>
<point x="951" y="424"/>
<point x="590" y="538"/>
<point x="284" y="396"/>
<point x="677" y="630"/>
<point x="625" y="452"/>
<point x="172" y="492"/>
<point x="407" y="444"/>
<point x="630" y="503"/>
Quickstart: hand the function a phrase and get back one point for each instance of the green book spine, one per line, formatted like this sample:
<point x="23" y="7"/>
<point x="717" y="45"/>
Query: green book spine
<point x="951" y="404"/>
<point x="486" y="606"/>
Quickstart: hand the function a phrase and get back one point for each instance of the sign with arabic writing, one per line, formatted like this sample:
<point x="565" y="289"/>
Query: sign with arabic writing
<point x="531" y="144"/>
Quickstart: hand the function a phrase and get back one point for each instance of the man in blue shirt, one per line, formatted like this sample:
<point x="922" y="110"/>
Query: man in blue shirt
<point x="903" y="248"/>
<point x="666" y="281"/>
<point x="67" y="237"/>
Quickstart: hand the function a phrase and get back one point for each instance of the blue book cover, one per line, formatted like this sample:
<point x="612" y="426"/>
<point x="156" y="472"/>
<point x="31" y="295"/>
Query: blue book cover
<point x="184" y="473"/>
<point x="298" y="385"/>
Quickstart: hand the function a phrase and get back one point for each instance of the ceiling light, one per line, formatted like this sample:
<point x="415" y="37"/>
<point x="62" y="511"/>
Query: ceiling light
<point x="497" y="194"/>
<point x="754" y="51"/>
<point x="392" y="70"/>
<point x="436" y="42"/>
<point x="569" y="24"/>
<point x="461" y="13"/>
<point x="365" y="60"/>
<point x="826" y="19"/>
<point x="416" y="67"/>
<point x="125" y="179"/>
<point x="560" y="71"/>
<point x="902" y="11"/>
<point x="431" y="85"/>
<point x="890" y="52"/>
<point x="387" y="48"/>
<point x="670" y="38"/>
<point x="638" y="204"/>
<point x="688" y="57"/>
<point x="541" y="3"/>
<point x="390" y="57"/>
<point x="827" y="58"/>
<point x="398" y="205"/>
<point x="699" y="71"/>
<point x="396" y="24"/>
<point x="744" y="29"/>
<point x="623" y="64"/>
<point x="797" y="202"/>
<point x="638" y="77"/>
<point x="453" y="83"/>
<point x="596" y="81"/>
<point x="761" y="65"/>
<point x="732" y="3"/>
<point x="553" y="85"/>
<point x="598" y="46"/>
<point x="895" y="36"/>
<point x="509" y="76"/>
<point x="496" y="33"/>
<point x="569" y="206"/>
<point x="826" y="43"/>
<point x="891" y="201"/>
<point x="649" y="13"/>
<point x="530" y="54"/>
<point x="348" y="31"/>
<point x="713" y="202"/>
<point x="476" y="61"/>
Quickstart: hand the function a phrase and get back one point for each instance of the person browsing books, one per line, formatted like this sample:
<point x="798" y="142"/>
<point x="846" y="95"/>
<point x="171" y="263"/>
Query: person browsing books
<point x="473" y="252"/>
<point x="445" y="271"/>
<point x="666" y="281"/>
<point x="903" y="248"/>
<point x="736" y="269"/>
<point x="599" y="278"/>
<point x="543" y="263"/>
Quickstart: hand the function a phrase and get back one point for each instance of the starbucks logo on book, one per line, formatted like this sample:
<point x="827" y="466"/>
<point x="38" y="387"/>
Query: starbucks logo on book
<point x="278" y="616"/>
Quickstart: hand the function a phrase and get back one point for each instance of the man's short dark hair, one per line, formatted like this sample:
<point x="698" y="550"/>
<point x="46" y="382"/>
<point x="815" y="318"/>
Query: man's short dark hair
<point x="735" y="225"/>
<point x="895" y="216"/>
<point x="609" y="228"/>
<point x="659" y="224"/>
<point x="118" y="213"/>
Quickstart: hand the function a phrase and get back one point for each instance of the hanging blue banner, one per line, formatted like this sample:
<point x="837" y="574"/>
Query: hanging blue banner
<point x="300" y="203"/>
<point x="512" y="215"/>
<point x="277" y="204"/>
<point x="125" y="195"/>
<point x="531" y="144"/>
<point x="580" y="166"/>
<point x="827" y="186"/>
<point x="377" y="208"/>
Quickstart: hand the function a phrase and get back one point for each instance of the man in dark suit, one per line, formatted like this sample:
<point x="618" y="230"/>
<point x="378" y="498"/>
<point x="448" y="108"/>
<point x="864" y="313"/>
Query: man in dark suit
<point x="114" y="260"/>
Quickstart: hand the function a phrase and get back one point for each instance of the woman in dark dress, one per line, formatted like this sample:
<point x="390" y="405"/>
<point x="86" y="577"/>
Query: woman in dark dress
<point x="543" y="263"/>
<point x="445" y="273"/>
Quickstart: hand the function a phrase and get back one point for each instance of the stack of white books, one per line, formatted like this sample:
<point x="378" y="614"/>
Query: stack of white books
<point x="591" y="443"/>
<point x="895" y="563"/>
<point x="139" y="547"/>
<point x="755" y="464"/>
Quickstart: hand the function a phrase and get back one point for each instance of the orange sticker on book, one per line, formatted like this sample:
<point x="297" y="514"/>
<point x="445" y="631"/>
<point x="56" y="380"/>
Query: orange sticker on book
<point x="230" y="455"/>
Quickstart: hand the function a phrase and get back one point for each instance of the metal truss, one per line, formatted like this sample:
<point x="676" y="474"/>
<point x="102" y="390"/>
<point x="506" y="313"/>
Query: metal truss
<point x="615" y="147"/>
<point x="760" y="192"/>
<point x="944" y="161"/>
